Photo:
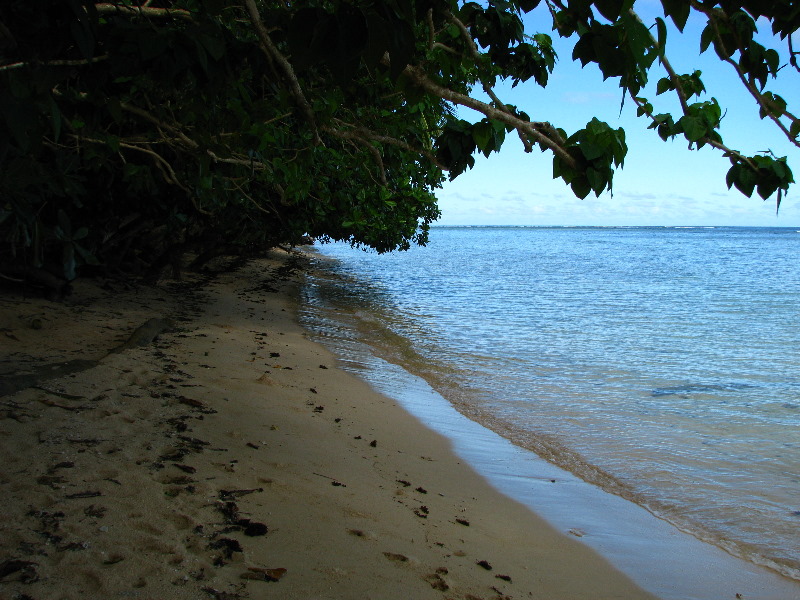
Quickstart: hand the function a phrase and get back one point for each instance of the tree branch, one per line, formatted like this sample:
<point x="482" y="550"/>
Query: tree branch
<point x="385" y="139"/>
<point x="144" y="11"/>
<point x="476" y="55"/>
<point x="354" y="136"/>
<point x="272" y="52"/>
<point x="56" y="63"/>
<point x="166" y="169"/>
<point x="418" y="77"/>
<point x="713" y="17"/>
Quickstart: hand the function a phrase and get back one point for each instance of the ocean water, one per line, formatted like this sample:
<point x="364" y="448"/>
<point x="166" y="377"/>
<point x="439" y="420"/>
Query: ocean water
<point x="660" y="364"/>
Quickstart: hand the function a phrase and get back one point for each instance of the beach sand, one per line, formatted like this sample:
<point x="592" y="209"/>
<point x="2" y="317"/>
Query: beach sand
<point x="230" y="458"/>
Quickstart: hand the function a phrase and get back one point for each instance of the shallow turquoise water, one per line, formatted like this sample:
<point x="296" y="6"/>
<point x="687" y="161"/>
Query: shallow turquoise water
<point x="658" y="363"/>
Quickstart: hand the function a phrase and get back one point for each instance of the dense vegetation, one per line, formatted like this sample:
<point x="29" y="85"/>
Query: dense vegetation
<point x="135" y="132"/>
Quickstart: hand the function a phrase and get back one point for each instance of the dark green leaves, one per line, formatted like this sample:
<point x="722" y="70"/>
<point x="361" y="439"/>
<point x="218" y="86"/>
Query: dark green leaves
<point x="678" y="10"/>
<point x="763" y="174"/>
<point x="597" y="149"/>
<point x="612" y="9"/>
<point x="456" y="144"/>
<point x="335" y="39"/>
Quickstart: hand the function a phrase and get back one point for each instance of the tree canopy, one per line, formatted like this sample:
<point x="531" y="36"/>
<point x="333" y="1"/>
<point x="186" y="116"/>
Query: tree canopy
<point x="133" y="132"/>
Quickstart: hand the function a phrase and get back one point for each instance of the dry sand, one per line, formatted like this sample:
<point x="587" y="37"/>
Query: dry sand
<point x="230" y="458"/>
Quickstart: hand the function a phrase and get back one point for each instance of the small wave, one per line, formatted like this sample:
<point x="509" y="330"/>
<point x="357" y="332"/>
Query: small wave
<point x="699" y="389"/>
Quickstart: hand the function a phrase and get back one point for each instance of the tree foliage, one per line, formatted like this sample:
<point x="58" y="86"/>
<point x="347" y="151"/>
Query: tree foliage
<point x="133" y="131"/>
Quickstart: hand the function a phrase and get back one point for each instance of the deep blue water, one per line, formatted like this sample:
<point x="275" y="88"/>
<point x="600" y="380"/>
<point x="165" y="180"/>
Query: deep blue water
<point x="662" y="364"/>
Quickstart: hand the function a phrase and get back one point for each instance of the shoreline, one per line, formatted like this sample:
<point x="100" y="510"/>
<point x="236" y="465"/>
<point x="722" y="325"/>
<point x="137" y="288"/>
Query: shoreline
<point x="661" y="557"/>
<point x="666" y="561"/>
<point x="232" y="459"/>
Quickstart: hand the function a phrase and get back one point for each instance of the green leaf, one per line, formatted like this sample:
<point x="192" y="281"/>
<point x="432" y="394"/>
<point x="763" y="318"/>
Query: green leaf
<point x="664" y="84"/>
<point x="528" y="5"/>
<point x="596" y="180"/>
<point x="707" y="37"/>
<point x="743" y="178"/>
<point x="693" y="127"/>
<point x="581" y="187"/>
<point x="610" y="9"/>
<point x="661" y="28"/>
<point x="482" y="134"/>
<point x="678" y="10"/>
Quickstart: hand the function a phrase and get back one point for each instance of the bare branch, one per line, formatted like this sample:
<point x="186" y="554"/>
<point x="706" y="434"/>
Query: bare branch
<point x="365" y="143"/>
<point x="56" y="63"/>
<point x="419" y="78"/>
<point x="486" y="86"/>
<point x="146" y="115"/>
<point x="144" y="11"/>
<point x="385" y="139"/>
<point x="272" y="52"/>
<point x="163" y="165"/>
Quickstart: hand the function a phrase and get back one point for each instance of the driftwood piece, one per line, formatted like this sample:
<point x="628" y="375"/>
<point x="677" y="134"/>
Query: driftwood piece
<point x="142" y="336"/>
<point x="145" y="334"/>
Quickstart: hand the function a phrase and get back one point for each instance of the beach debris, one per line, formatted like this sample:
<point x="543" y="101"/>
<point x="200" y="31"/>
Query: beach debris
<point x="144" y="334"/>
<point x="323" y="367"/>
<point x="577" y="532"/>
<point x="259" y="574"/>
<point x="26" y="569"/>
<point x="48" y="402"/>
<point x="87" y="494"/>
<point x="485" y="564"/>
<point x="319" y="409"/>
<point x="334" y="482"/>
<point x="313" y="390"/>
<point x="356" y="532"/>
<point x="437" y="582"/>
<point x="396" y="557"/>
<point x="59" y="394"/>
<point x="51" y="480"/>
<point x="196" y="404"/>
<point x="500" y="594"/>
<point x="114" y="559"/>
<point x="96" y="512"/>
<point x="232" y="494"/>
<point x="86" y="441"/>
<point x="230" y="511"/>
<point x="220" y="595"/>
<point x="185" y="468"/>
<point x="227" y="545"/>
<point x="463" y="522"/>
<point x="252" y="445"/>
<point x="422" y="512"/>
<point x="73" y="546"/>
<point x="374" y="443"/>
<point x="421" y="490"/>
<point x="403" y="482"/>
<point x="253" y="529"/>
<point x="504" y="578"/>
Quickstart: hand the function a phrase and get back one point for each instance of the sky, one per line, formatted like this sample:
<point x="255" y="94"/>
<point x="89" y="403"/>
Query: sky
<point x="660" y="183"/>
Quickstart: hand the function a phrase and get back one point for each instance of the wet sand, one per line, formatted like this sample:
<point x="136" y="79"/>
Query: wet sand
<point x="231" y="458"/>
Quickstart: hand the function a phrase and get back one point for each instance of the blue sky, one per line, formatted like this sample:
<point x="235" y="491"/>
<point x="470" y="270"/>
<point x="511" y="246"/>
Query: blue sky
<point x="661" y="183"/>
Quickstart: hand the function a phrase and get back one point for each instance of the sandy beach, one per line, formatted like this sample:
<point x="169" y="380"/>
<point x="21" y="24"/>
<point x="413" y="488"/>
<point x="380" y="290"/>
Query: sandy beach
<point x="228" y="457"/>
